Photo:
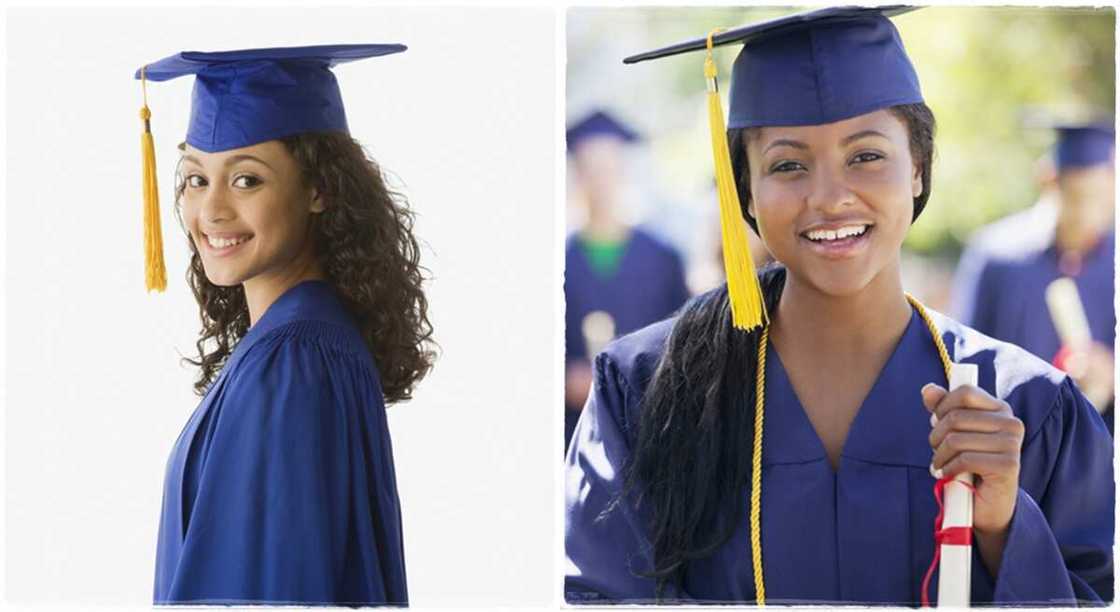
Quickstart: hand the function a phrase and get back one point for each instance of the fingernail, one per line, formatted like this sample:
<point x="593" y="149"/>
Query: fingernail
<point x="933" y="419"/>
<point x="938" y="473"/>
<point x="927" y="387"/>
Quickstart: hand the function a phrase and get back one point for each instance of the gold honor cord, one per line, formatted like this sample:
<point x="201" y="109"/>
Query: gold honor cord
<point x="756" y="456"/>
<point x="155" y="273"/>
<point x="747" y="309"/>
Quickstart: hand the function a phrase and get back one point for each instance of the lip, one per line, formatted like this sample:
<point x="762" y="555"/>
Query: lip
<point x="844" y="248"/>
<point x="224" y="251"/>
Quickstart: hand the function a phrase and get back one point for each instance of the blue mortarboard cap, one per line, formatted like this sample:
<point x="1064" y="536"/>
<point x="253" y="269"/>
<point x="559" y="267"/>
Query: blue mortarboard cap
<point x="813" y="67"/>
<point x="1082" y="146"/>
<point x="808" y="68"/>
<point x="599" y="123"/>
<point x="250" y="96"/>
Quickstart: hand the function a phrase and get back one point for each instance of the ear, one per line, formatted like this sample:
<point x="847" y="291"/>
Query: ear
<point x="916" y="181"/>
<point x="317" y="203"/>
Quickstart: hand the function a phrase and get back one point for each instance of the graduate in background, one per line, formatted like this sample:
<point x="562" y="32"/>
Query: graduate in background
<point x="617" y="278"/>
<point x="780" y="440"/>
<point x="1010" y="299"/>
<point x="281" y="487"/>
<point x="1012" y="236"/>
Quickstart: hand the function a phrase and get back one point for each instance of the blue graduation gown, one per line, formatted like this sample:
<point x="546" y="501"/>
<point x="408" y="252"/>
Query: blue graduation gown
<point x="862" y="533"/>
<point x="1011" y="305"/>
<point x="648" y="286"/>
<point x="1025" y="232"/>
<point x="281" y="487"/>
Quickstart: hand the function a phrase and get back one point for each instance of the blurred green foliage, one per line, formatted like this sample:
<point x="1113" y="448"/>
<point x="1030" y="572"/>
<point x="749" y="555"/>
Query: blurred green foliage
<point x="982" y="70"/>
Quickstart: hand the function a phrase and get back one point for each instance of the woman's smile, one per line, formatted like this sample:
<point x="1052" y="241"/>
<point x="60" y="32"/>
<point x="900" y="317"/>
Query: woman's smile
<point x="837" y="240"/>
<point x="224" y="244"/>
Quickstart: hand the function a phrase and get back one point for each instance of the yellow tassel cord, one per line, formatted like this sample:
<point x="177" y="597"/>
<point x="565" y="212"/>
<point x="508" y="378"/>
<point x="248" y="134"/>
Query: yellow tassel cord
<point x="747" y="310"/>
<point x="942" y="352"/>
<point x="756" y="460"/>
<point x="756" y="468"/>
<point x="154" y="270"/>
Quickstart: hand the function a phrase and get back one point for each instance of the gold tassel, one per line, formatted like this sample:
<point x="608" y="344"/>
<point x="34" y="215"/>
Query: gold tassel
<point x="747" y="308"/>
<point x="154" y="269"/>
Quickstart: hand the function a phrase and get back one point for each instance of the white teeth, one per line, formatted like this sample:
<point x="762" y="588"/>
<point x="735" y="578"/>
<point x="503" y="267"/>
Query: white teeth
<point x="221" y="243"/>
<point x="844" y="232"/>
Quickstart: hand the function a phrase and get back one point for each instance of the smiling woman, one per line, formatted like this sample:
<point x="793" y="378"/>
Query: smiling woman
<point x="281" y="487"/>
<point x="798" y="458"/>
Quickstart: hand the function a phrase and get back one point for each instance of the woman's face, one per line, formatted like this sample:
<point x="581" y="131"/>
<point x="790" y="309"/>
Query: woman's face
<point x="247" y="211"/>
<point x="834" y="202"/>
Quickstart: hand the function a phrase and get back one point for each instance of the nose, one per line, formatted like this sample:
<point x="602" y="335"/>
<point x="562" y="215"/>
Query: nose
<point x="829" y="190"/>
<point x="214" y="205"/>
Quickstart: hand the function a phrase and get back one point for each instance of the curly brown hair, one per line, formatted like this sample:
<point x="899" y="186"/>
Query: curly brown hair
<point x="365" y="246"/>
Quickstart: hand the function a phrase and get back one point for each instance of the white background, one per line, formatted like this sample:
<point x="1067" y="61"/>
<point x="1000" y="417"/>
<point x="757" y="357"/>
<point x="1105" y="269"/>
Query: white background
<point x="95" y="392"/>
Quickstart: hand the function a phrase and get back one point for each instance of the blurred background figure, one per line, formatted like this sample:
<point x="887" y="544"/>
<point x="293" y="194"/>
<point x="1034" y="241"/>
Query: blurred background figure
<point x="1070" y="323"/>
<point x="618" y="277"/>
<point x="1012" y="236"/>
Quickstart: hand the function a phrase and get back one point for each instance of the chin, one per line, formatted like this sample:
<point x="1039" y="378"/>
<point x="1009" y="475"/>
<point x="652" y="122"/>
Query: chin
<point x="223" y="278"/>
<point x="837" y="284"/>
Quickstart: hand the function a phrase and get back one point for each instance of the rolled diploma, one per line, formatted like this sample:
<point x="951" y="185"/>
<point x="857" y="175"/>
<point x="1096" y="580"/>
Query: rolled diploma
<point x="1068" y="314"/>
<point x="598" y="330"/>
<point x="955" y="574"/>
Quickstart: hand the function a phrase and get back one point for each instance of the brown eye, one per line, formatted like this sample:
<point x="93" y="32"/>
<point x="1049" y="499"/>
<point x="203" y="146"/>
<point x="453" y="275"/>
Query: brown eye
<point x="867" y="156"/>
<point x="246" y="181"/>
<point x="195" y="181"/>
<point x="786" y="166"/>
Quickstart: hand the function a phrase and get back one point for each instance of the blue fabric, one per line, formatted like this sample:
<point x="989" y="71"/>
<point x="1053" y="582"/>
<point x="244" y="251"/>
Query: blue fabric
<point x="862" y="533"/>
<point x="1015" y="236"/>
<point x="281" y="487"/>
<point x="246" y="97"/>
<point x="598" y="123"/>
<point x="648" y="286"/>
<point x="1010" y="301"/>
<point x="813" y="67"/>
<point x="1084" y="146"/>
<point x="826" y="71"/>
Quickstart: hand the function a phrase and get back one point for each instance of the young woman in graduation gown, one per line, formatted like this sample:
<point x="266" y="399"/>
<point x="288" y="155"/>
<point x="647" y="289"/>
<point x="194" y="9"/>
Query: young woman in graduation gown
<point x="794" y="460"/>
<point x="281" y="487"/>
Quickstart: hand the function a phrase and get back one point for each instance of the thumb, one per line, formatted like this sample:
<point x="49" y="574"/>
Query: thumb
<point x="932" y="394"/>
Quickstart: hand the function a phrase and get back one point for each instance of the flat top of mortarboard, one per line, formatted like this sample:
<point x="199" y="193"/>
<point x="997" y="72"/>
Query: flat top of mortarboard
<point x="757" y="31"/>
<point x="193" y="62"/>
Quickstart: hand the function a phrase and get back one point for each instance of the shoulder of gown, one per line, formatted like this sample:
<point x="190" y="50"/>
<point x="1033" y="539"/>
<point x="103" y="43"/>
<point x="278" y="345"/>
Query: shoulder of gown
<point x="297" y="499"/>
<point x="1059" y="545"/>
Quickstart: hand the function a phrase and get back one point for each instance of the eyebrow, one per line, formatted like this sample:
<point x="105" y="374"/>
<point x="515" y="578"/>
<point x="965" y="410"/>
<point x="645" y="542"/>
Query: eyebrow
<point x="863" y="134"/>
<point x="786" y="142"/>
<point x="232" y="160"/>
<point x="845" y="141"/>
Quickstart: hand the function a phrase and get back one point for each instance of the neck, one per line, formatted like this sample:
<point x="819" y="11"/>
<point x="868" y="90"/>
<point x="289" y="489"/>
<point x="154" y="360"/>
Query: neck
<point x="602" y="224"/>
<point x="1073" y="237"/>
<point x="264" y="289"/>
<point x="847" y="327"/>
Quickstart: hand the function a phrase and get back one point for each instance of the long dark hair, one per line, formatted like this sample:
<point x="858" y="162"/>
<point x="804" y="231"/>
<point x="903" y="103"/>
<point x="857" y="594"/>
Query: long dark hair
<point x="691" y="463"/>
<point x="364" y="243"/>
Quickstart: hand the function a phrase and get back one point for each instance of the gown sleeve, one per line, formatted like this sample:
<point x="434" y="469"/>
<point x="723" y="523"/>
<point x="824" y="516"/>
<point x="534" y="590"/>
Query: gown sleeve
<point x="296" y="499"/>
<point x="606" y="543"/>
<point x="1059" y="544"/>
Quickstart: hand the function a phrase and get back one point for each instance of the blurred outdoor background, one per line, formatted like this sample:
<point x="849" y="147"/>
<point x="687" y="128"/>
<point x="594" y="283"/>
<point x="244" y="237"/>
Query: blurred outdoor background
<point x="988" y="73"/>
